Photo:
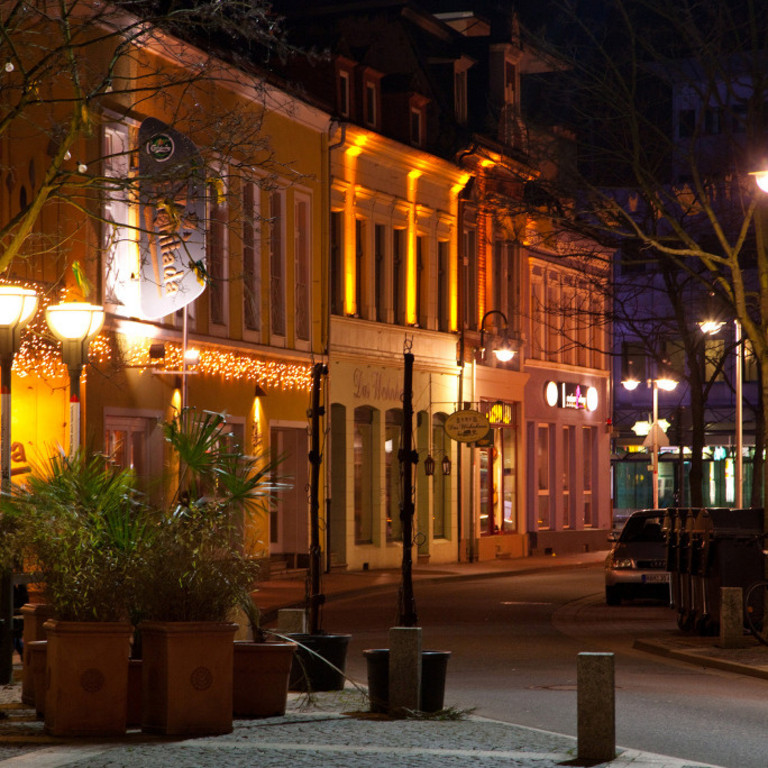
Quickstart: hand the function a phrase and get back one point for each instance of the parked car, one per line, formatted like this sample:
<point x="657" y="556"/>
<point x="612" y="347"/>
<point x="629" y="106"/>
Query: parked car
<point x="636" y="564"/>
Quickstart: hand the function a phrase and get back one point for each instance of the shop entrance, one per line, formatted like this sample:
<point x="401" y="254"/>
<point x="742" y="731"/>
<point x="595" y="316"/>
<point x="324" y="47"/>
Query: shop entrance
<point x="289" y="516"/>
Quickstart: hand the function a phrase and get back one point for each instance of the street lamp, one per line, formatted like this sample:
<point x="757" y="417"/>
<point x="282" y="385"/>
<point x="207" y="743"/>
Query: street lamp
<point x="17" y="307"/>
<point x="657" y="436"/>
<point x="504" y="351"/>
<point x="74" y="324"/>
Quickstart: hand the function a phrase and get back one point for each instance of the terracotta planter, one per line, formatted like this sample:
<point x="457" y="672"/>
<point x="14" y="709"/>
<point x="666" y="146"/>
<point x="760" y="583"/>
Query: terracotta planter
<point x="86" y="677"/>
<point x="187" y="677"/>
<point x="133" y="717"/>
<point x="35" y="615"/>
<point x="38" y="654"/>
<point x="260" y="682"/>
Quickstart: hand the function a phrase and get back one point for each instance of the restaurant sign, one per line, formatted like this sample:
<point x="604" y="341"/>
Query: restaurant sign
<point x="467" y="426"/>
<point x="567" y="395"/>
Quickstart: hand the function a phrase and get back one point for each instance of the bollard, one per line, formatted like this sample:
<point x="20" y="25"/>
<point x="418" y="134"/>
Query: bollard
<point x="732" y="618"/>
<point x="292" y="621"/>
<point x="404" y="670"/>
<point x="596" y="707"/>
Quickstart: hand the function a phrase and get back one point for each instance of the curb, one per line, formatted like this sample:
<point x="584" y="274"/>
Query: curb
<point x="700" y="659"/>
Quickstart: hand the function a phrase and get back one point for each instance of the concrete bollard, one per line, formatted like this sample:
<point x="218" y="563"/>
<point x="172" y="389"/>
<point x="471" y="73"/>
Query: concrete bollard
<point x="732" y="618"/>
<point x="291" y="621"/>
<point x="404" y="670"/>
<point x="596" y="705"/>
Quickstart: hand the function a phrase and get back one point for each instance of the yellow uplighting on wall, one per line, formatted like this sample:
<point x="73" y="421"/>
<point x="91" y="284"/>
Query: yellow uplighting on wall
<point x="411" y="266"/>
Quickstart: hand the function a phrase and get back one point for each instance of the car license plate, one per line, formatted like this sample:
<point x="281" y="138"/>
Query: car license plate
<point x="655" y="578"/>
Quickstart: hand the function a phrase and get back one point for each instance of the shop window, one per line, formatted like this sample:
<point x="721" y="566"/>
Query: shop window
<point x="588" y="463"/>
<point x="393" y="495"/>
<point x="251" y="258"/>
<point x="566" y="454"/>
<point x="363" y="461"/>
<point x="544" y="520"/>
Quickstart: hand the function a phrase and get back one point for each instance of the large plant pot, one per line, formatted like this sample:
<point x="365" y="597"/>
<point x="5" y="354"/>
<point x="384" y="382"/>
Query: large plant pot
<point x="134" y="693"/>
<point x="187" y="677"/>
<point x="38" y="654"/>
<point x="260" y="682"/>
<point x="86" y="677"/>
<point x="311" y="670"/>
<point x="34" y="615"/>
<point x="434" y="666"/>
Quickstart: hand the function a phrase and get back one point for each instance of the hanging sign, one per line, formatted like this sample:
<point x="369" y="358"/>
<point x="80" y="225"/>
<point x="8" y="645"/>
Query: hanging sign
<point x="466" y="426"/>
<point x="172" y="223"/>
<point x="566" y="395"/>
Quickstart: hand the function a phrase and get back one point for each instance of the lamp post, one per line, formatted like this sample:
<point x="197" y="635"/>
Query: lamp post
<point x="667" y="384"/>
<point x="711" y="327"/>
<point x="17" y="307"/>
<point x="504" y="352"/>
<point x="74" y="324"/>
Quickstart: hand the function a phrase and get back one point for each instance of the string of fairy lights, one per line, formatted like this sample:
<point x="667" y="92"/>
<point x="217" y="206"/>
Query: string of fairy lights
<point x="40" y="355"/>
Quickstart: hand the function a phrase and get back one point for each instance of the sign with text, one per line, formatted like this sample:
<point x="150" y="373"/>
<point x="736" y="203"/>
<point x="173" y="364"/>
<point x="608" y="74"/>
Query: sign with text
<point x="172" y="226"/>
<point x="568" y="395"/>
<point x="467" y="426"/>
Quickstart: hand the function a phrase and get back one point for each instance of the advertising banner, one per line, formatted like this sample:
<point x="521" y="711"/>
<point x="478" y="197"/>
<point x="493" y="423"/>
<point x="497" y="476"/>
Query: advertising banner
<point x="172" y="220"/>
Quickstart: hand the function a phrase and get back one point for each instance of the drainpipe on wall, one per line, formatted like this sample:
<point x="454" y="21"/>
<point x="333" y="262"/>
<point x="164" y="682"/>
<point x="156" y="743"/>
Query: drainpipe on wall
<point x="326" y="393"/>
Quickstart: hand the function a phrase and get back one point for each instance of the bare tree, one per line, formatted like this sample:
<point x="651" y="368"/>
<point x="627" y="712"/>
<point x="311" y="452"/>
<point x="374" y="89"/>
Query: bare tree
<point x="669" y="103"/>
<point x="68" y="68"/>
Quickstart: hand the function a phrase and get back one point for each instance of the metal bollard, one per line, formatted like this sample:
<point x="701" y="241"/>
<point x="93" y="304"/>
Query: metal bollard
<point x="596" y="705"/>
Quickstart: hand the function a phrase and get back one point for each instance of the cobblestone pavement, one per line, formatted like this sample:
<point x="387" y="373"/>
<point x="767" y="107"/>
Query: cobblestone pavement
<point x="329" y="729"/>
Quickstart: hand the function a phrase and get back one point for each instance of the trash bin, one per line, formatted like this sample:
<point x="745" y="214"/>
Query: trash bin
<point x="728" y="553"/>
<point x="678" y="525"/>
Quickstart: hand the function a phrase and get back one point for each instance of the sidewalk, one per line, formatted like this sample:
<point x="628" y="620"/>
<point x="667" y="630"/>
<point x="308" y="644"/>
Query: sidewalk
<point x="335" y="728"/>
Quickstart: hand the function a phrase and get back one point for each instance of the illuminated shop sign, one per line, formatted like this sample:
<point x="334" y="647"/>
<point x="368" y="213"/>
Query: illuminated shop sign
<point x="568" y="395"/>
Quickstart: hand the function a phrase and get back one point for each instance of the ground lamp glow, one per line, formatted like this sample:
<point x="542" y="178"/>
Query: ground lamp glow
<point x="74" y="324"/>
<point x="17" y="307"/>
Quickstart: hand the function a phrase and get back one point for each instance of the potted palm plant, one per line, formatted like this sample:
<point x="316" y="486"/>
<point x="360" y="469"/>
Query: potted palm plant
<point x="262" y="669"/>
<point x="194" y="571"/>
<point x="78" y="525"/>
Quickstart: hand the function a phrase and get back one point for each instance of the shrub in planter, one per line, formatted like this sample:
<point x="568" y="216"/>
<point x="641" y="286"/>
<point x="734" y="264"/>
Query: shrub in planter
<point x="79" y="524"/>
<point x="193" y="572"/>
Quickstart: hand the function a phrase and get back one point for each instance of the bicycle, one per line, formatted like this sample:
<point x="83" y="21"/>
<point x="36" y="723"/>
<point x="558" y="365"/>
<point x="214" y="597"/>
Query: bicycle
<point x="756" y="610"/>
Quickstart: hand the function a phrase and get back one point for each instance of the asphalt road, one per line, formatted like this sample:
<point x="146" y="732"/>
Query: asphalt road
<point x="515" y="641"/>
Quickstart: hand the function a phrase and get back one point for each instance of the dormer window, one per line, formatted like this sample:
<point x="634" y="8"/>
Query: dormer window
<point x="417" y="129"/>
<point x="510" y="82"/>
<point x="370" y="100"/>
<point x="369" y="95"/>
<point x="416" y="126"/>
<point x="344" y="92"/>
<point x="460" y="96"/>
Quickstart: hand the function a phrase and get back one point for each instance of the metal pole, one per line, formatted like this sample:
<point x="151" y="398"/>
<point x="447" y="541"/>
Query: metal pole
<point x="74" y="409"/>
<point x="6" y="578"/>
<point x="655" y="428"/>
<point x="407" y="613"/>
<point x="738" y="419"/>
<point x="316" y="598"/>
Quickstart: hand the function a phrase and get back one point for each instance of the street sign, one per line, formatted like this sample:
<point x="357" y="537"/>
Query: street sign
<point x="661" y="439"/>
